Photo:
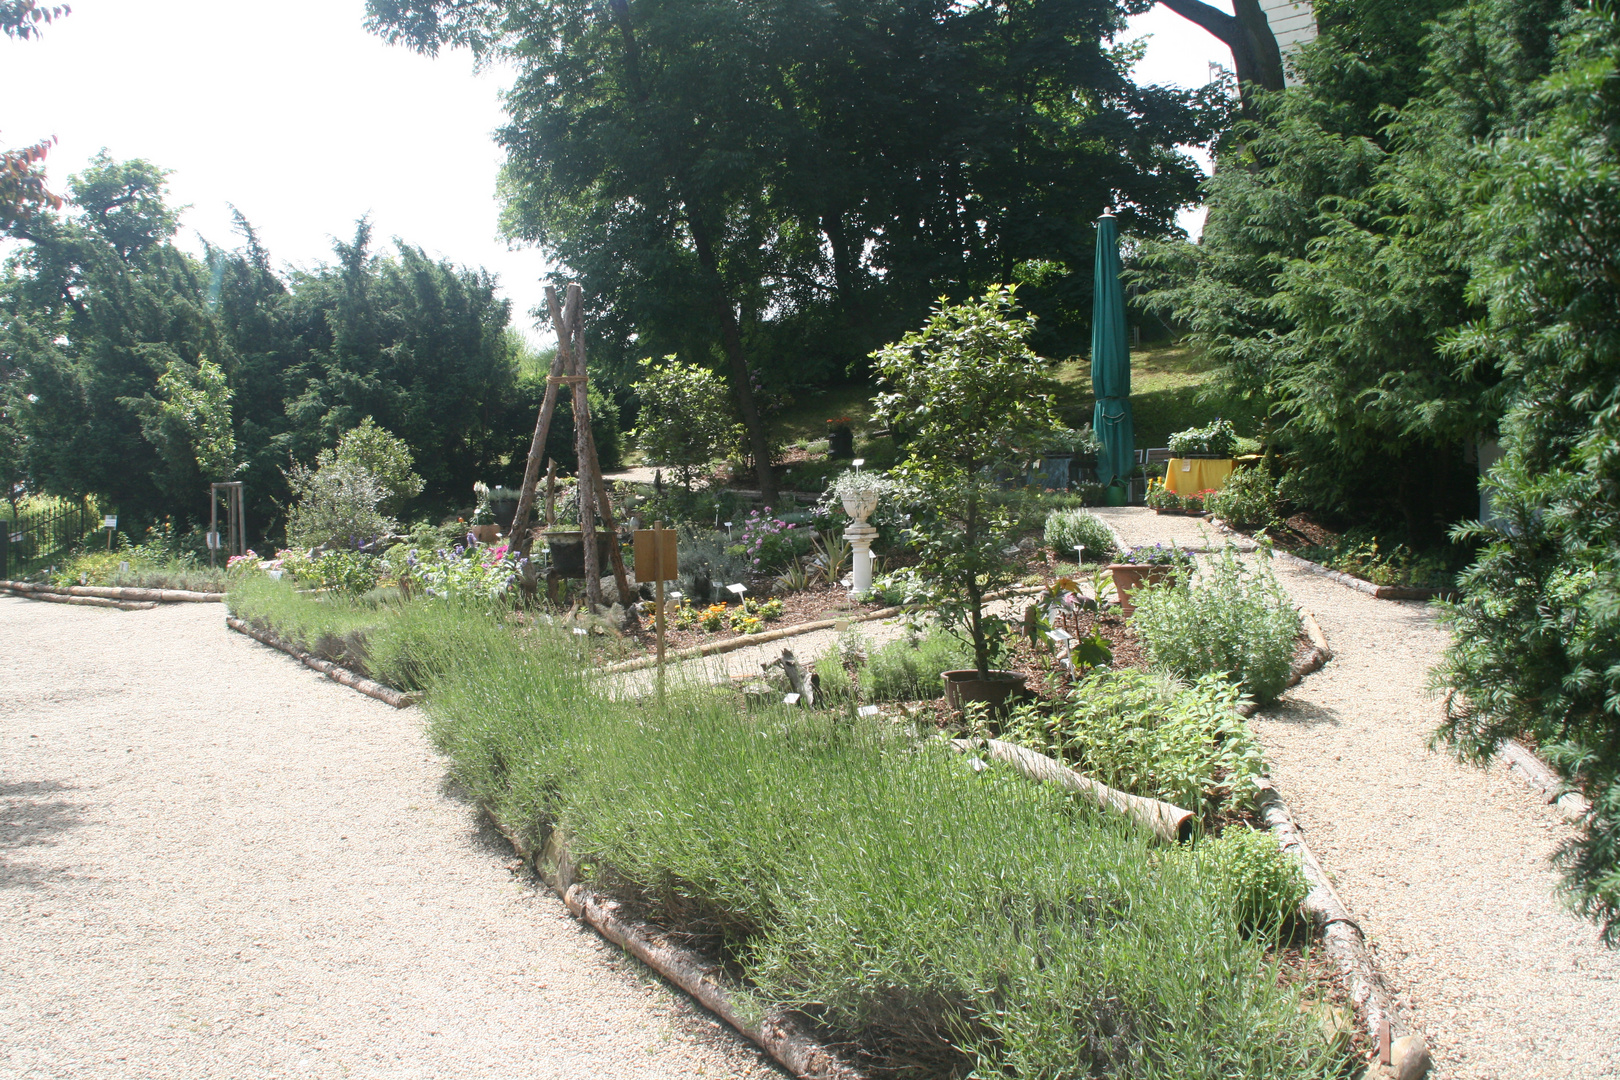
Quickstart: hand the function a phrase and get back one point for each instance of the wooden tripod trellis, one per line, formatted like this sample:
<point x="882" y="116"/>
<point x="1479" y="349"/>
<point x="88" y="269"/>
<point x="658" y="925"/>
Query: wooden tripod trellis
<point x="568" y="369"/>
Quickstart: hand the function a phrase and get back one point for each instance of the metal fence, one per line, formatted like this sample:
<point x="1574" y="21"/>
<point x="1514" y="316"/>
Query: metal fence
<point x="36" y="540"/>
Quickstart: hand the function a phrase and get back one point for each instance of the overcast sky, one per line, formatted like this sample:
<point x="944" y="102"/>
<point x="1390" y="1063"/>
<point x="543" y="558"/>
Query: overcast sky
<point x="302" y="120"/>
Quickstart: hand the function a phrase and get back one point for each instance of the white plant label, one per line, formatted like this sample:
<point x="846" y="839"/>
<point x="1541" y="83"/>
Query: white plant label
<point x="110" y="521"/>
<point x="867" y="710"/>
<point x="737" y="589"/>
<point x="791" y="699"/>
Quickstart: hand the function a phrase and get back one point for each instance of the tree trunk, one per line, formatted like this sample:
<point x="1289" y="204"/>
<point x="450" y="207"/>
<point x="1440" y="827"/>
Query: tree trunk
<point x="1255" y="55"/>
<point x="981" y="648"/>
<point x="742" y="385"/>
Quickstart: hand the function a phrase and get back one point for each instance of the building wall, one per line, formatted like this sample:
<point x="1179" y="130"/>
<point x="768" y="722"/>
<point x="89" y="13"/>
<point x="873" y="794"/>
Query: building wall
<point x="1293" y="23"/>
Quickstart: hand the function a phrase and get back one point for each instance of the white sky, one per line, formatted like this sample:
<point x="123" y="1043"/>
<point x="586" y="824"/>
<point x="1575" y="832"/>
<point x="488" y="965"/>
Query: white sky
<point x="302" y="120"/>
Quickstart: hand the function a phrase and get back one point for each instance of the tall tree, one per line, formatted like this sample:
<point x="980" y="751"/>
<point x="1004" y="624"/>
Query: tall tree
<point x="746" y="183"/>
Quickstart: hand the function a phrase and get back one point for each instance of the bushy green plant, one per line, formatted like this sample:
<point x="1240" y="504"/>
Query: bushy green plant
<point x="1230" y="620"/>
<point x="382" y="454"/>
<point x="1151" y="735"/>
<point x="708" y="563"/>
<point x="1247" y="500"/>
<point x="908" y="669"/>
<point x="1259" y="883"/>
<point x="336" y="504"/>
<point x="1067" y="529"/>
<point x="351" y="573"/>
<point x="1365" y="555"/>
<point x="685" y="420"/>
<point x="961" y="394"/>
<point x="1216" y="440"/>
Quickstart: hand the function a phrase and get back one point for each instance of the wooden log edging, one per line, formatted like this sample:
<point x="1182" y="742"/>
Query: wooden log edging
<point x="1169" y="821"/>
<point x="125" y="593"/>
<point x="1535" y="772"/>
<point x="1343" y="940"/>
<point x="336" y="672"/>
<point x="715" y="648"/>
<point x="781" y="1035"/>
<point x="1341" y="935"/>
<point x="51" y="596"/>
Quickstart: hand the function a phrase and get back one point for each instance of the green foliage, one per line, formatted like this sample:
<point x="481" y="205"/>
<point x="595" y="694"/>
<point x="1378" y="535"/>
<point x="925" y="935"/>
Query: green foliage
<point x="1256" y="880"/>
<point x="908" y="668"/>
<point x="131" y="369"/>
<point x="337" y="504"/>
<point x="685" y="418"/>
<point x="1229" y="620"/>
<point x="1362" y="553"/>
<point x="1217" y="440"/>
<point x="961" y="394"/>
<point x="147" y="569"/>
<point x="351" y="573"/>
<point x="1067" y="529"/>
<point x="1147" y="734"/>
<point x="1248" y="499"/>
<point x="1536" y="635"/>
<point x="1336" y="259"/>
<point x="382" y="454"/>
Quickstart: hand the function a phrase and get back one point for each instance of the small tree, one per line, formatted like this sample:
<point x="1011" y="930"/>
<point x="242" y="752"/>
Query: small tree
<point x="382" y="454"/>
<point x="961" y="394"/>
<point x="685" y="416"/>
<point x="337" y="504"/>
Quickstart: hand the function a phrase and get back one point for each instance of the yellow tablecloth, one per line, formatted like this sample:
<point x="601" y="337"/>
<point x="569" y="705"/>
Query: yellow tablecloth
<point x="1189" y="476"/>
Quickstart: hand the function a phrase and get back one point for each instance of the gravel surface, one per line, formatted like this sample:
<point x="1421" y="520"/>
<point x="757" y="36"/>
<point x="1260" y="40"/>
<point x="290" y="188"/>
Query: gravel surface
<point x="1444" y="865"/>
<point x="216" y="863"/>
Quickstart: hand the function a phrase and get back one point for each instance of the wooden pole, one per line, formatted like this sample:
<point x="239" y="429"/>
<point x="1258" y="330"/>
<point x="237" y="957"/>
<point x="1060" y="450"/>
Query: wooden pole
<point x="213" y="522"/>
<point x="551" y="494"/>
<point x="658" y="615"/>
<point x="569" y="339"/>
<point x="537" y="448"/>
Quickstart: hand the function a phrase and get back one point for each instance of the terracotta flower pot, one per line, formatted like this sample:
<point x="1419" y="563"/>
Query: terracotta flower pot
<point x="965" y="685"/>
<point x="1128" y="577"/>
<point x="486" y="534"/>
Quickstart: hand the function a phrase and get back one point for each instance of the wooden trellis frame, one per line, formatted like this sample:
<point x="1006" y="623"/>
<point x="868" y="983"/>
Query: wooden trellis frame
<point x="568" y="369"/>
<point x="234" y="542"/>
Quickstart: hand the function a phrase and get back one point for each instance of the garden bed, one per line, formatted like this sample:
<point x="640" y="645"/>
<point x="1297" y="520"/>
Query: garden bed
<point x="814" y="604"/>
<point x="1391" y="571"/>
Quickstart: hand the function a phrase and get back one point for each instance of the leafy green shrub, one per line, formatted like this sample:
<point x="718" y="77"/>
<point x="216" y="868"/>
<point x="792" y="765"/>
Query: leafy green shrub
<point x="1229" y="620"/>
<point x="382" y="454"/>
<point x="1216" y="440"/>
<point x="1363" y="554"/>
<point x="336" y="504"/>
<point x="1260" y="884"/>
<point x="351" y="573"/>
<point x="1066" y="529"/>
<point x="1247" y="500"/>
<point x="1146" y="733"/>
<point x="708" y="563"/>
<point x="908" y="669"/>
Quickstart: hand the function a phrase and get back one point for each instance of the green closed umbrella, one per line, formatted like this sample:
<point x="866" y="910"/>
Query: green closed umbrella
<point x="1111" y="361"/>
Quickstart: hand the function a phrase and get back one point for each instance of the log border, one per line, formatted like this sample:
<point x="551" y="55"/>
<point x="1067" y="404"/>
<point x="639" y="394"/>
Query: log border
<point x="781" y="1035"/>
<point x="336" y="672"/>
<point x="108" y="592"/>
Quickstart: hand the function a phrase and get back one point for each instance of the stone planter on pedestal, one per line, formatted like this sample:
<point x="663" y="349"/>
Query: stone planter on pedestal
<point x="860" y="534"/>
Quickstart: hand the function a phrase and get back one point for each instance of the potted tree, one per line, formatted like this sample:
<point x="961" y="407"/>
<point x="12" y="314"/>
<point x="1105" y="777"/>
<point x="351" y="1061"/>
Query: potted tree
<point x="962" y="393"/>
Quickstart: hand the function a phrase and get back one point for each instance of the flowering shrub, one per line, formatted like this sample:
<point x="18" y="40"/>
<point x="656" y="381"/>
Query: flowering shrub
<point x="1156" y="555"/>
<point x="768" y="542"/>
<point x="242" y="563"/>
<point x="462" y="570"/>
<point x="749" y="617"/>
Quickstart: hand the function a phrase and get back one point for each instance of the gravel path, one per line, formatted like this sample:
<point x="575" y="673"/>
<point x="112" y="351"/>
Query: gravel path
<point x="1444" y="865"/>
<point x="216" y="863"/>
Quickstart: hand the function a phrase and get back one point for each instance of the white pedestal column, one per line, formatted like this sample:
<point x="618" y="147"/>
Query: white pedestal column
<point x="860" y="535"/>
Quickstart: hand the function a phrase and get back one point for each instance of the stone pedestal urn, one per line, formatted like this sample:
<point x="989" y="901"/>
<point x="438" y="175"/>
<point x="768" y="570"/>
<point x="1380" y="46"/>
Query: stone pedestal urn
<point x="860" y="534"/>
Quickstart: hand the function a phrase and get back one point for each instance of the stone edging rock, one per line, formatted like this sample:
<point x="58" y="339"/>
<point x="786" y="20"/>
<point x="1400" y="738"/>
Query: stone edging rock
<point x="335" y="672"/>
<point x="780" y="1035"/>
<point x="149" y="597"/>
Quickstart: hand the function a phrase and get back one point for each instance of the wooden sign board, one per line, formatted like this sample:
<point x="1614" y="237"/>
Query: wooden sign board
<point x="655" y="555"/>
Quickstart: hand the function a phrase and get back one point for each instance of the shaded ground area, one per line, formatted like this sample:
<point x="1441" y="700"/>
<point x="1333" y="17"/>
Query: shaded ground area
<point x="1444" y="865"/>
<point x="216" y="863"/>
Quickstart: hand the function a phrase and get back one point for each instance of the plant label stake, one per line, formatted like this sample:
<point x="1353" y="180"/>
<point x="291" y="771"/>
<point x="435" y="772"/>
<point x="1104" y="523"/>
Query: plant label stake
<point x="656" y="557"/>
<point x="110" y="523"/>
